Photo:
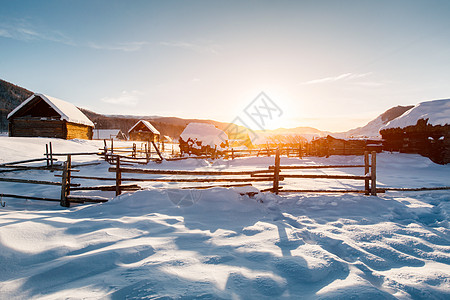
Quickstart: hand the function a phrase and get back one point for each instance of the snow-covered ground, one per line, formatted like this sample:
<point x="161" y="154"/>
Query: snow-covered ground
<point x="168" y="243"/>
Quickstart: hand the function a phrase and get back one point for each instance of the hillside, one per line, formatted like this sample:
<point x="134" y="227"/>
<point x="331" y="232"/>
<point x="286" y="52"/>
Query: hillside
<point x="436" y="112"/>
<point x="171" y="126"/>
<point x="10" y="96"/>
<point x="372" y="128"/>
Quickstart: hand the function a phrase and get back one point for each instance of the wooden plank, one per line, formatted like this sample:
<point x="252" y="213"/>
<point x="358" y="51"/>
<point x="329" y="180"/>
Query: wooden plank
<point x="220" y="185"/>
<point x="23" y="161"/>
<point x="111" y="188"/>
<point x="25" y="168"/>
<point x="373" y="173"/>
<point x="182" y="172"/>
<point x="64" y="202"/>
<point x="355" y="177"/>
<point x="329" y="191"/>
<point x="118" y="176"/>
<point x="276" y="169"/>
<point x="202" y="180"/>
<point x="157" y="151"/>
<point x="418" y="189"/>
<point x="31" y="181"/>
<point x="77" y="153"/>
<point x="29" y="197"/>
<point x="366" y="172"/>
<point x="317" y="167"/>
<point x="81" y="199"/>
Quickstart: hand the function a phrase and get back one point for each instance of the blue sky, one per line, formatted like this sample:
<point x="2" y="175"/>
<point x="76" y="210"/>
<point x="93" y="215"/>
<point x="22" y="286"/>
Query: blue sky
<point x="333" y="65"/>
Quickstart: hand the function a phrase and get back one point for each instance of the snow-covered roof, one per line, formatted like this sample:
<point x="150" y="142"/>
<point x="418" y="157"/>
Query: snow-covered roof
<point x="66" y="110"/>
<point x="146" y="124"/>
<point x="206" y="133"/>
<point x="437" y="112"/>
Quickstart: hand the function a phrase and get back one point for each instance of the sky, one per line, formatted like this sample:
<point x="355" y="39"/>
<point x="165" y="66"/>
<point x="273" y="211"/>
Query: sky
<point x="332" y="65"/>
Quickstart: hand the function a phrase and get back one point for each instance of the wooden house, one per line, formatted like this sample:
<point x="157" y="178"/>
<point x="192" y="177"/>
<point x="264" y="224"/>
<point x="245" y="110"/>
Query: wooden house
<point x="203" y="138"/>
<point x="326" y="146"/>
<point x="432" y="141"/>
<point x="107" y="134"/>
<point x="423" y="130"/>
<point x="144" y="131"/>
<point x="44" y="116"/>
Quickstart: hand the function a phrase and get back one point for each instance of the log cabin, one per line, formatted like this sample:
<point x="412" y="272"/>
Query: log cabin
<point x="144" y="131"/>
<point x="107" y="134"/>
<point x="326" y="146"/>
<point x="423" y="130"/>
<point x="44" y="116"/>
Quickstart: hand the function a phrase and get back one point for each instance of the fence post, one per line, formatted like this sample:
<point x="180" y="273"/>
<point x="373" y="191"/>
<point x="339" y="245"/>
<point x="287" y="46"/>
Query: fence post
<point x="51" y="157"/>
<point x="232" y="153"/>
<point x="276" y="172"/>
<point x="157" y="151"/>
<point x="46" y="155"/>
<point x="69" y="174"/>
<point x="112" y="147"/>
<point x="118" y="176"/>
<point x="374" y="173"/>
<point x="133" y="153"/>
<point x="64" y="202"/>
<point x="366" y="172"/>
<point x="105" y="149"/>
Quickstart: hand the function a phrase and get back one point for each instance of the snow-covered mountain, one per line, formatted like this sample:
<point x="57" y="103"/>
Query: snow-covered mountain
<point x="371" y="130"/>
<point x="436" y="112"/>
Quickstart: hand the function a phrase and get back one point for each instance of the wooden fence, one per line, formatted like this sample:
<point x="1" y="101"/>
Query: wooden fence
<point x="369" y="175"/>
<point x="133" y="154"/>
<point x="272" y="174"/>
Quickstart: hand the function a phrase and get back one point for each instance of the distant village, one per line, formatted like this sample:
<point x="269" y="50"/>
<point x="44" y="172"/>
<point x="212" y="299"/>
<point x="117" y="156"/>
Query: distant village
<point x="45" y="116"/>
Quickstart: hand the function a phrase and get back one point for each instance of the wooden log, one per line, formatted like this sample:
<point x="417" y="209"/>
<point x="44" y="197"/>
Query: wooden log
<point x="373" y="172"/>
<point x="276" y="177"/>
<point x="317" y="167"/>
<point x="51" y="155"/>
<point x="220" y="185"/>
<point x="23" y="161"/>
<point x="324" y="176"/>
<point x="201" y="180"/>
<point x="29" y="197"/>
<point x="118" y="176"/>
<point x="17" y="180"/>
<point x="77" y="153"/>
<point x="330" y="191"/>
<point x="29" y="167"/>
<point x="182" y="172"/>
<point x="47" y="155"/>
<point x="366" y="172"/>
<point x="69" y="173"/>
<point x="106" y="188"/>
<point x="64" y="202"/>
<point x="81" y="199"/>
<point x="157" y="150"/>
<point x="418" y="189"/>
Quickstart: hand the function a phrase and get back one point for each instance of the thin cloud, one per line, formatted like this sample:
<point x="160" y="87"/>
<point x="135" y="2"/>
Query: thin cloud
<point x="341" y="77"/>
<point x="200" y="47"/>
<point x="126" y="98"/>
<point x="23" y="30"/>
<point x="127" y="47"/>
